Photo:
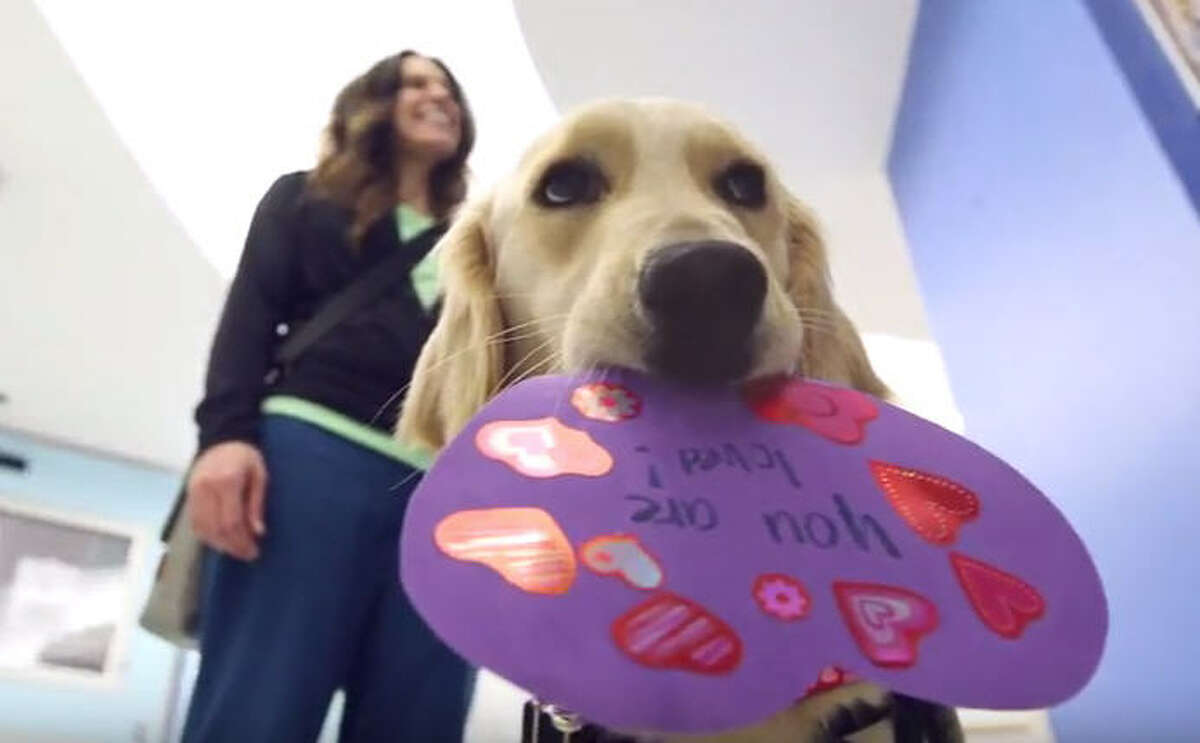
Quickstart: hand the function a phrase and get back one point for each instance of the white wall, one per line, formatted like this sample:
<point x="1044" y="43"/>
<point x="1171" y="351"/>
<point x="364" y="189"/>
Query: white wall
<point x="105" y="306"/>
<point x="136" y="138"/>
<point x="872" y="272"/>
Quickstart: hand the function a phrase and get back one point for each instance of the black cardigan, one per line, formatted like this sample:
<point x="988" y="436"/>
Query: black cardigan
<point x="297" y="256"/>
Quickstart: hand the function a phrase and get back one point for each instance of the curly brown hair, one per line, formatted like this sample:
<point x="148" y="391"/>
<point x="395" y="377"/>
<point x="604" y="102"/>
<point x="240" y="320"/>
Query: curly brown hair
<point x="357" y="166"/>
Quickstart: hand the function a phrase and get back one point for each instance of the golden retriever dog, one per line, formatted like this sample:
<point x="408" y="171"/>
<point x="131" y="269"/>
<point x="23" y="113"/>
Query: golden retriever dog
<point x="650" y="235"/>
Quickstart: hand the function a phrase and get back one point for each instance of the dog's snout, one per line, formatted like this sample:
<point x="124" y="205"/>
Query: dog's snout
<point x="684" y="280"/>
<point x="703" y="300"/>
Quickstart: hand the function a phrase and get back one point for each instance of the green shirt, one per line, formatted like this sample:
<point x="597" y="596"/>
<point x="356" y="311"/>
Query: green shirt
<point x="424" y="277"/>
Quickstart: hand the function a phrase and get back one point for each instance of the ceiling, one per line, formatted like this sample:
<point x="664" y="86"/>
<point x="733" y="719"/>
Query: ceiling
<point x="815" y="83"/>
<point x="212" y="130"/>
<point x="125" y="186"/>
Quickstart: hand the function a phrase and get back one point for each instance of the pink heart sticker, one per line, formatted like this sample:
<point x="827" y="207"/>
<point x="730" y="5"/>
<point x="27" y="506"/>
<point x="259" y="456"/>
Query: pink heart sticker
<point x="887" y="622"/>
<point x="543" y="448"/>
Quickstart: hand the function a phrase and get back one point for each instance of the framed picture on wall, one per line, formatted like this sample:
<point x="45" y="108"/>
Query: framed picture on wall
<point x="1176" y="26"/>
<point x="66" y="589"/>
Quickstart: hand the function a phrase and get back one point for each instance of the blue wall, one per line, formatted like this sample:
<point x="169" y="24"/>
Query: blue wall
<point x="1059" y="258"/>
<point x="75" y="483"/>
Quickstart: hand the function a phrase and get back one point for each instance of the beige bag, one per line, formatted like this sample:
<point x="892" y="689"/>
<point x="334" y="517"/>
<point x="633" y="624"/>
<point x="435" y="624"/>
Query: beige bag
<point x="172" y="610"/>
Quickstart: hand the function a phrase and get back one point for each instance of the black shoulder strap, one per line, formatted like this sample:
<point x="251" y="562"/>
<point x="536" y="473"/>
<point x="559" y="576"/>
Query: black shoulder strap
<point x="345" y="303"/>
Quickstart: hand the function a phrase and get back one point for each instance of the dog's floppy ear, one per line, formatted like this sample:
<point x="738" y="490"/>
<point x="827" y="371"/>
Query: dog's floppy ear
<point x="461" y="363"/>
<point x="832" y="350"/>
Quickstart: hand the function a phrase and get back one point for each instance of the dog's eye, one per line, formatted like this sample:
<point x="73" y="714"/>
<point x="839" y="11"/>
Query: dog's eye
<point x="743" y="184"/>
<point x="569" y="183"/>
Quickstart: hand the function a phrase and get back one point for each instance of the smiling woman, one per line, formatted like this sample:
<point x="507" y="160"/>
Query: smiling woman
<point x="299" y="489"/>
<point x="405" y="108"/>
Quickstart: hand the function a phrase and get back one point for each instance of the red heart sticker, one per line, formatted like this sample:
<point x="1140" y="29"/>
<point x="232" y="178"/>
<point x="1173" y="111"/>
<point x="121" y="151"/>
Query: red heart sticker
<point x="887" y="622"/>
<point x="1004" y="602"/>
<point x="670" y="632"/>
<point x="933" y="506"/>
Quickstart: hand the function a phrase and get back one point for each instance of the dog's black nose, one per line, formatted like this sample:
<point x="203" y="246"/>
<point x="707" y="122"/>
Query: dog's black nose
<point x="703" y="300"/>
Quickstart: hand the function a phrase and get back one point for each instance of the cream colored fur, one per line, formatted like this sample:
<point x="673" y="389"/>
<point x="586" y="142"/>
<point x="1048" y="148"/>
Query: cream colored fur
<point x="531" y="290"/>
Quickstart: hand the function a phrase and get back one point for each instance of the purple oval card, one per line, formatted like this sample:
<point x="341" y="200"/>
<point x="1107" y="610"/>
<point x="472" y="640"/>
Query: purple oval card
<point x="663" y="558"/>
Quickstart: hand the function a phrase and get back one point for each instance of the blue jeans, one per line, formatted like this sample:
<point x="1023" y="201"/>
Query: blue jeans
<point x="322" y="609"/>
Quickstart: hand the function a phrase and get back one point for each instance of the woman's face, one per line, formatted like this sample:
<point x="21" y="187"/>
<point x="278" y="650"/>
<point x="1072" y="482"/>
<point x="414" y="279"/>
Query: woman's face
<point x="428" y="119"/>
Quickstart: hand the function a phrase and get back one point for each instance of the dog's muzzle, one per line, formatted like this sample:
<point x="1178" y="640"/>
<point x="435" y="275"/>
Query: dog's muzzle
<point x="702" y="300"/>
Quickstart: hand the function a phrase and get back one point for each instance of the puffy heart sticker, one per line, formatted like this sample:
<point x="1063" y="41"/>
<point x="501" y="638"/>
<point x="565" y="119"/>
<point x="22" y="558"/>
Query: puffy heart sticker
<point x="623" y="556"/>
<point x="933" y="506"/>
<point x="671" y="632"/>
<point x="543" y="448"/>
<point x="689" y="583"/>
<point x="888" y="622"/>
<point x="1004" y="602"/>
<point x="524" y="545"/>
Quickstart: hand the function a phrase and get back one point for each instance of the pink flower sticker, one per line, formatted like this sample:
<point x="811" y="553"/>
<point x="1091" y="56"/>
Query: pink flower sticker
<point x="781" y="596"/>
<point x="604" y="401"/>
<point x="543" y="448"/>
<point x="837" y="413"/>
<point x="622" y="555"/>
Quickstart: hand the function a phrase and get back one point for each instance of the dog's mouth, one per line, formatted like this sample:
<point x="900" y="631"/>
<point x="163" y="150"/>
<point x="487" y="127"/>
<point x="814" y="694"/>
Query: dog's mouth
<point x="702" y="302"/>
<point x="698" y="359"/>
